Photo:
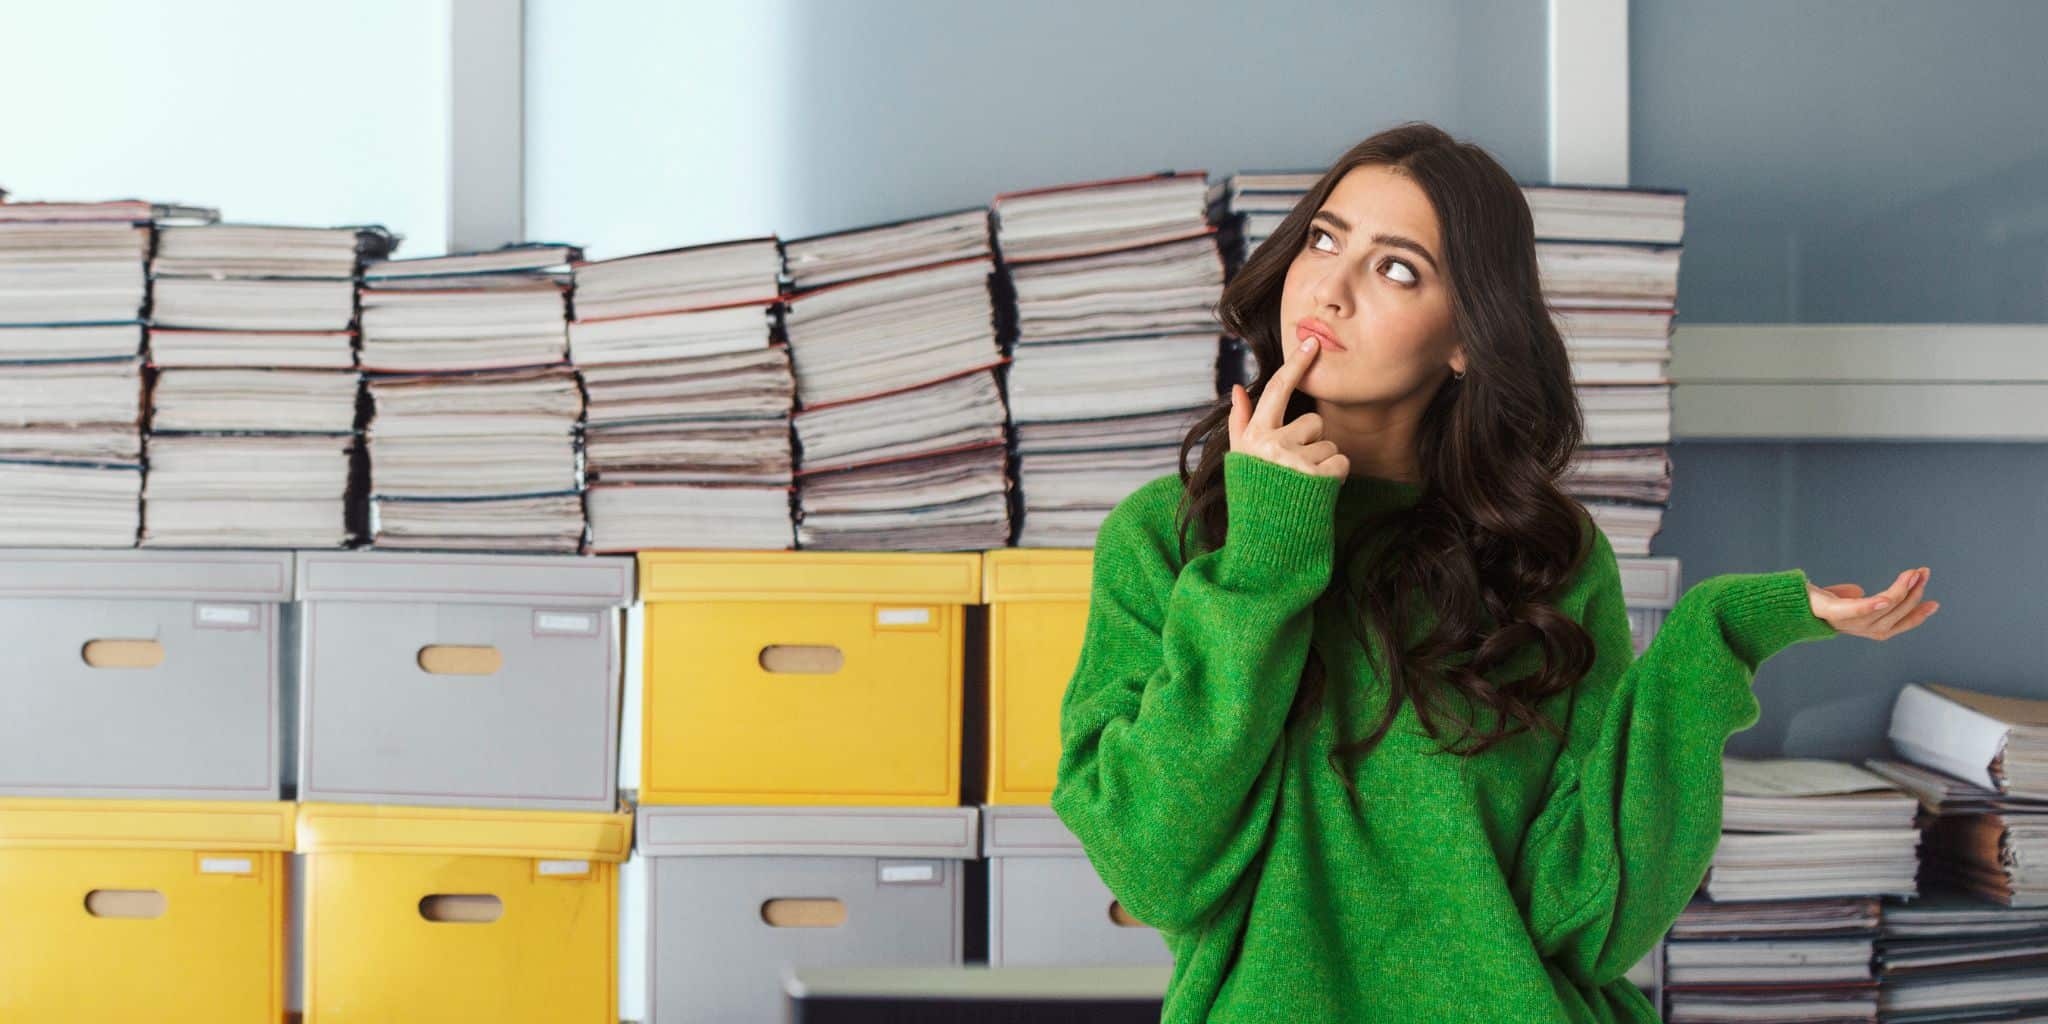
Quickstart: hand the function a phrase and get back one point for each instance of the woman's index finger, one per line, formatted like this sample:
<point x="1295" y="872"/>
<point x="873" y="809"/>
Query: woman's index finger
<point x="1272" y="409"/>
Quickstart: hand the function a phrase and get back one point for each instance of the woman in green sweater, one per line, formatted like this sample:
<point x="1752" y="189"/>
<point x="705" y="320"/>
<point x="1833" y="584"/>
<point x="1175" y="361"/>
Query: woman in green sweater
<point x="1493" y="819"/>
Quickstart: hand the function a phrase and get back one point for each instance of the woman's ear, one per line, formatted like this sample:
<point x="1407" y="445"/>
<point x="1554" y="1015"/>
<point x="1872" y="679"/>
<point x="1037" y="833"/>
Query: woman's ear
<point x="1458" y="360"/>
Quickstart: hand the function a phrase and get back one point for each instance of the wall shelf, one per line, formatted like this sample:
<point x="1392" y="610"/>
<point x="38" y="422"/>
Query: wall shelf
<point x="1860" y="382"/>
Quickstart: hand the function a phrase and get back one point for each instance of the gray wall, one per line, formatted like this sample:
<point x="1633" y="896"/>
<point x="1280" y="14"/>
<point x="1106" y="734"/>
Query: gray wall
<point x="1858" y="161"/>
<point x="850" y="113"/>
<point x="1849" y="161"/>
<point x="1862" y="513"/>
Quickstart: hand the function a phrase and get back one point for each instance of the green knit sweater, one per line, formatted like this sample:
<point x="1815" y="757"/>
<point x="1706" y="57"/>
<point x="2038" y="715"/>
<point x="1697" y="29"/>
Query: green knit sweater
<point x="1517" y="885"/>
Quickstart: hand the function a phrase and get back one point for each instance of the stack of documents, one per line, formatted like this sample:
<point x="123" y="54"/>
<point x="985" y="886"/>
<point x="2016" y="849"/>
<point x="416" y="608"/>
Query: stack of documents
<point x="250" y="458"/>
<point x="1113" y="335"/>
<point x="1948" y="957"/>
<point x="1787" y="960"/>
<point x="924" y="469"/>
<point x="837" y="256"/>
<point x="497" y="309"/>
<point x="259" y="277"/>
<point x="1977" y="763"/>
<point x="900" y="428"/>
<point x="1805" y="829"/>
<point x="71" y="452"/>
<point x="687" y="437"/>
<point x="73" y="284"/>
<point x="483" y="461"/>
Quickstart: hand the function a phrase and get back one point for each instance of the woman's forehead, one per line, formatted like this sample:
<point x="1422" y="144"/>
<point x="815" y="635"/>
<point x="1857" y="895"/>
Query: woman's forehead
<point x="1376" y="200"/>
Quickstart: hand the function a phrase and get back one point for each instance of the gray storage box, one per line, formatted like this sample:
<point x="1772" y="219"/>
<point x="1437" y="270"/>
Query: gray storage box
<point x="461" y="680"/>
<point x="1650" y="589"/>
<point x="1046" y="905"/>
<point x="737" y="894"/>
<point x="141" y="674"/>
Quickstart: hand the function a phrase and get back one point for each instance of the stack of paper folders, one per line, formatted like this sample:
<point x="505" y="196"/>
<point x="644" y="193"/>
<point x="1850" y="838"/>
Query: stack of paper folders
<point x="690" y="453"/>
<point x="71" y="452"/>
<point x="502" y="308"/>
<point x="1787" y="960"/>
<point x="73" y="284"/>
<point x="250" y="457"/>
<point x="1950" y="957"/>
<point x="261" y="277"/>
<point x="687" y="438"/>
<point x="1112" y="288"/>
<point x="1796" y="828"/>
<point x="477" y="461"/>
<point x="900" y="428"/>
<point x="1987" y="827"/>
<point x="922" y="469"/>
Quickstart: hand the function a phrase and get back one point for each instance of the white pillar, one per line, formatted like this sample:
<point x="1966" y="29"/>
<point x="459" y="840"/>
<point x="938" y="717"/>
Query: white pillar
<point x="486" y="124"/>
<point x="1589" y="92"/>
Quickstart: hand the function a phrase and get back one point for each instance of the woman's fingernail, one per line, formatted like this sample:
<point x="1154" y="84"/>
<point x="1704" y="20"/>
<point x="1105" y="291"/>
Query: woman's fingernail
<point x="1308" y="344"/>
<point x="1882" y="605"/>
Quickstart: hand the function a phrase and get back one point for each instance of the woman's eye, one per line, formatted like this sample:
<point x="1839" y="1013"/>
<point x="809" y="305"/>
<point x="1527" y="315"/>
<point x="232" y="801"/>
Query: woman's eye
<point x="1407" y="272"/>
<point x="1315" y="233"/>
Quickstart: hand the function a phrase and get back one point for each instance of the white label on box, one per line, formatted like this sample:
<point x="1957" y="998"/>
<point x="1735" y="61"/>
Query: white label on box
<point x="909" y="873"/>
<point x="565" y="867"/>
<point x="565" y="623"/>
<point x="226" y="866"/>
<point x="903" y="616"/>
<point x="224" y="616"/>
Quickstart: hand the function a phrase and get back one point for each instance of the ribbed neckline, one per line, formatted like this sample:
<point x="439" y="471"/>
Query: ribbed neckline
<point x="1364" y="495"/>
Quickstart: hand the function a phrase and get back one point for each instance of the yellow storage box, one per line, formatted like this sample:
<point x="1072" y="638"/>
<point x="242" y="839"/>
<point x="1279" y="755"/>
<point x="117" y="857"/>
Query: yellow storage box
<point x="417" y="913"/>
<point x="803" y="677"/>
<point x="170" y="911"/>
<point x="1037" y="607"/>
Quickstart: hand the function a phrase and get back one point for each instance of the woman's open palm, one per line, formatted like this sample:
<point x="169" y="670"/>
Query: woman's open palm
<point x="1880" y="616"/>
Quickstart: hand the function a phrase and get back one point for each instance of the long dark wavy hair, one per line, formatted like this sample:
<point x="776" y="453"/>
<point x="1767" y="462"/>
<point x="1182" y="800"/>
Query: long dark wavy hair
<point x="1492" y="537"/>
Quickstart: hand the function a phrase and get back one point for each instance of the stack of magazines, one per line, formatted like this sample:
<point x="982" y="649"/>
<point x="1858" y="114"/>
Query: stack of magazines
<point x="253" y="414"/>
<point x="901" y="424"/>
<point x="1950" y="957"/>
<point x="503" y="308"/>
<point x="1113" y="340"/>
<point x="73" y="286"/>
<point x="482" y="461"/>
<point x="1974" y="759"/>
<point x="1609" y="263"/>
<point x="475" y="411"/>
<point x="1787" y="929"/>
<point x="1808" y="829"/>
<point x="687" y="437"/>
<point x="1783" y="960"/>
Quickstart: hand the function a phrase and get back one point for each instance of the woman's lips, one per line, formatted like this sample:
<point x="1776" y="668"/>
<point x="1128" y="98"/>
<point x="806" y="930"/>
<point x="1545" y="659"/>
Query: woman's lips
<point x="1311" y="327"/>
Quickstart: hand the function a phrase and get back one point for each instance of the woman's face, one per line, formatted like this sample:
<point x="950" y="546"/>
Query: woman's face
<point x="1370" y="279"/>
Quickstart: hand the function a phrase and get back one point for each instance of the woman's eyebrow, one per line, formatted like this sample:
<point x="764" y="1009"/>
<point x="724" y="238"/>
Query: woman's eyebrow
<point x="1397" y="241"/>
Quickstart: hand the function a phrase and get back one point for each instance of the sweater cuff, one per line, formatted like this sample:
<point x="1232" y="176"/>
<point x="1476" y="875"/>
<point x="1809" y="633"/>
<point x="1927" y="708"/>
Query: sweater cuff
<point x="1282" y="521"/>
<point x="1764" y="613"/>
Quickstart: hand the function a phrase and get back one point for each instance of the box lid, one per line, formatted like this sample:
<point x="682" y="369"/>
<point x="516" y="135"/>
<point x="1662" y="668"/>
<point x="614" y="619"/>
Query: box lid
<point x="1026" y="832"/>
<point x="1649" y="582"/>
<point x="152" y="574"/>
<point x="554" y="580"/>
<point x="255" y="825"/>
<point x="945" y="832"/>
<point x="849" y="576"/>
<point x="1036" y="574"/>
<point x="541" y="835"/>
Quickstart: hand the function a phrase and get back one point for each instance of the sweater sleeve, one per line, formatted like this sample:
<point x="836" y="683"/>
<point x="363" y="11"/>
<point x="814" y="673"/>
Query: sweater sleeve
<point x="1632" y="812"/>
<point x="1170" y="726"/>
